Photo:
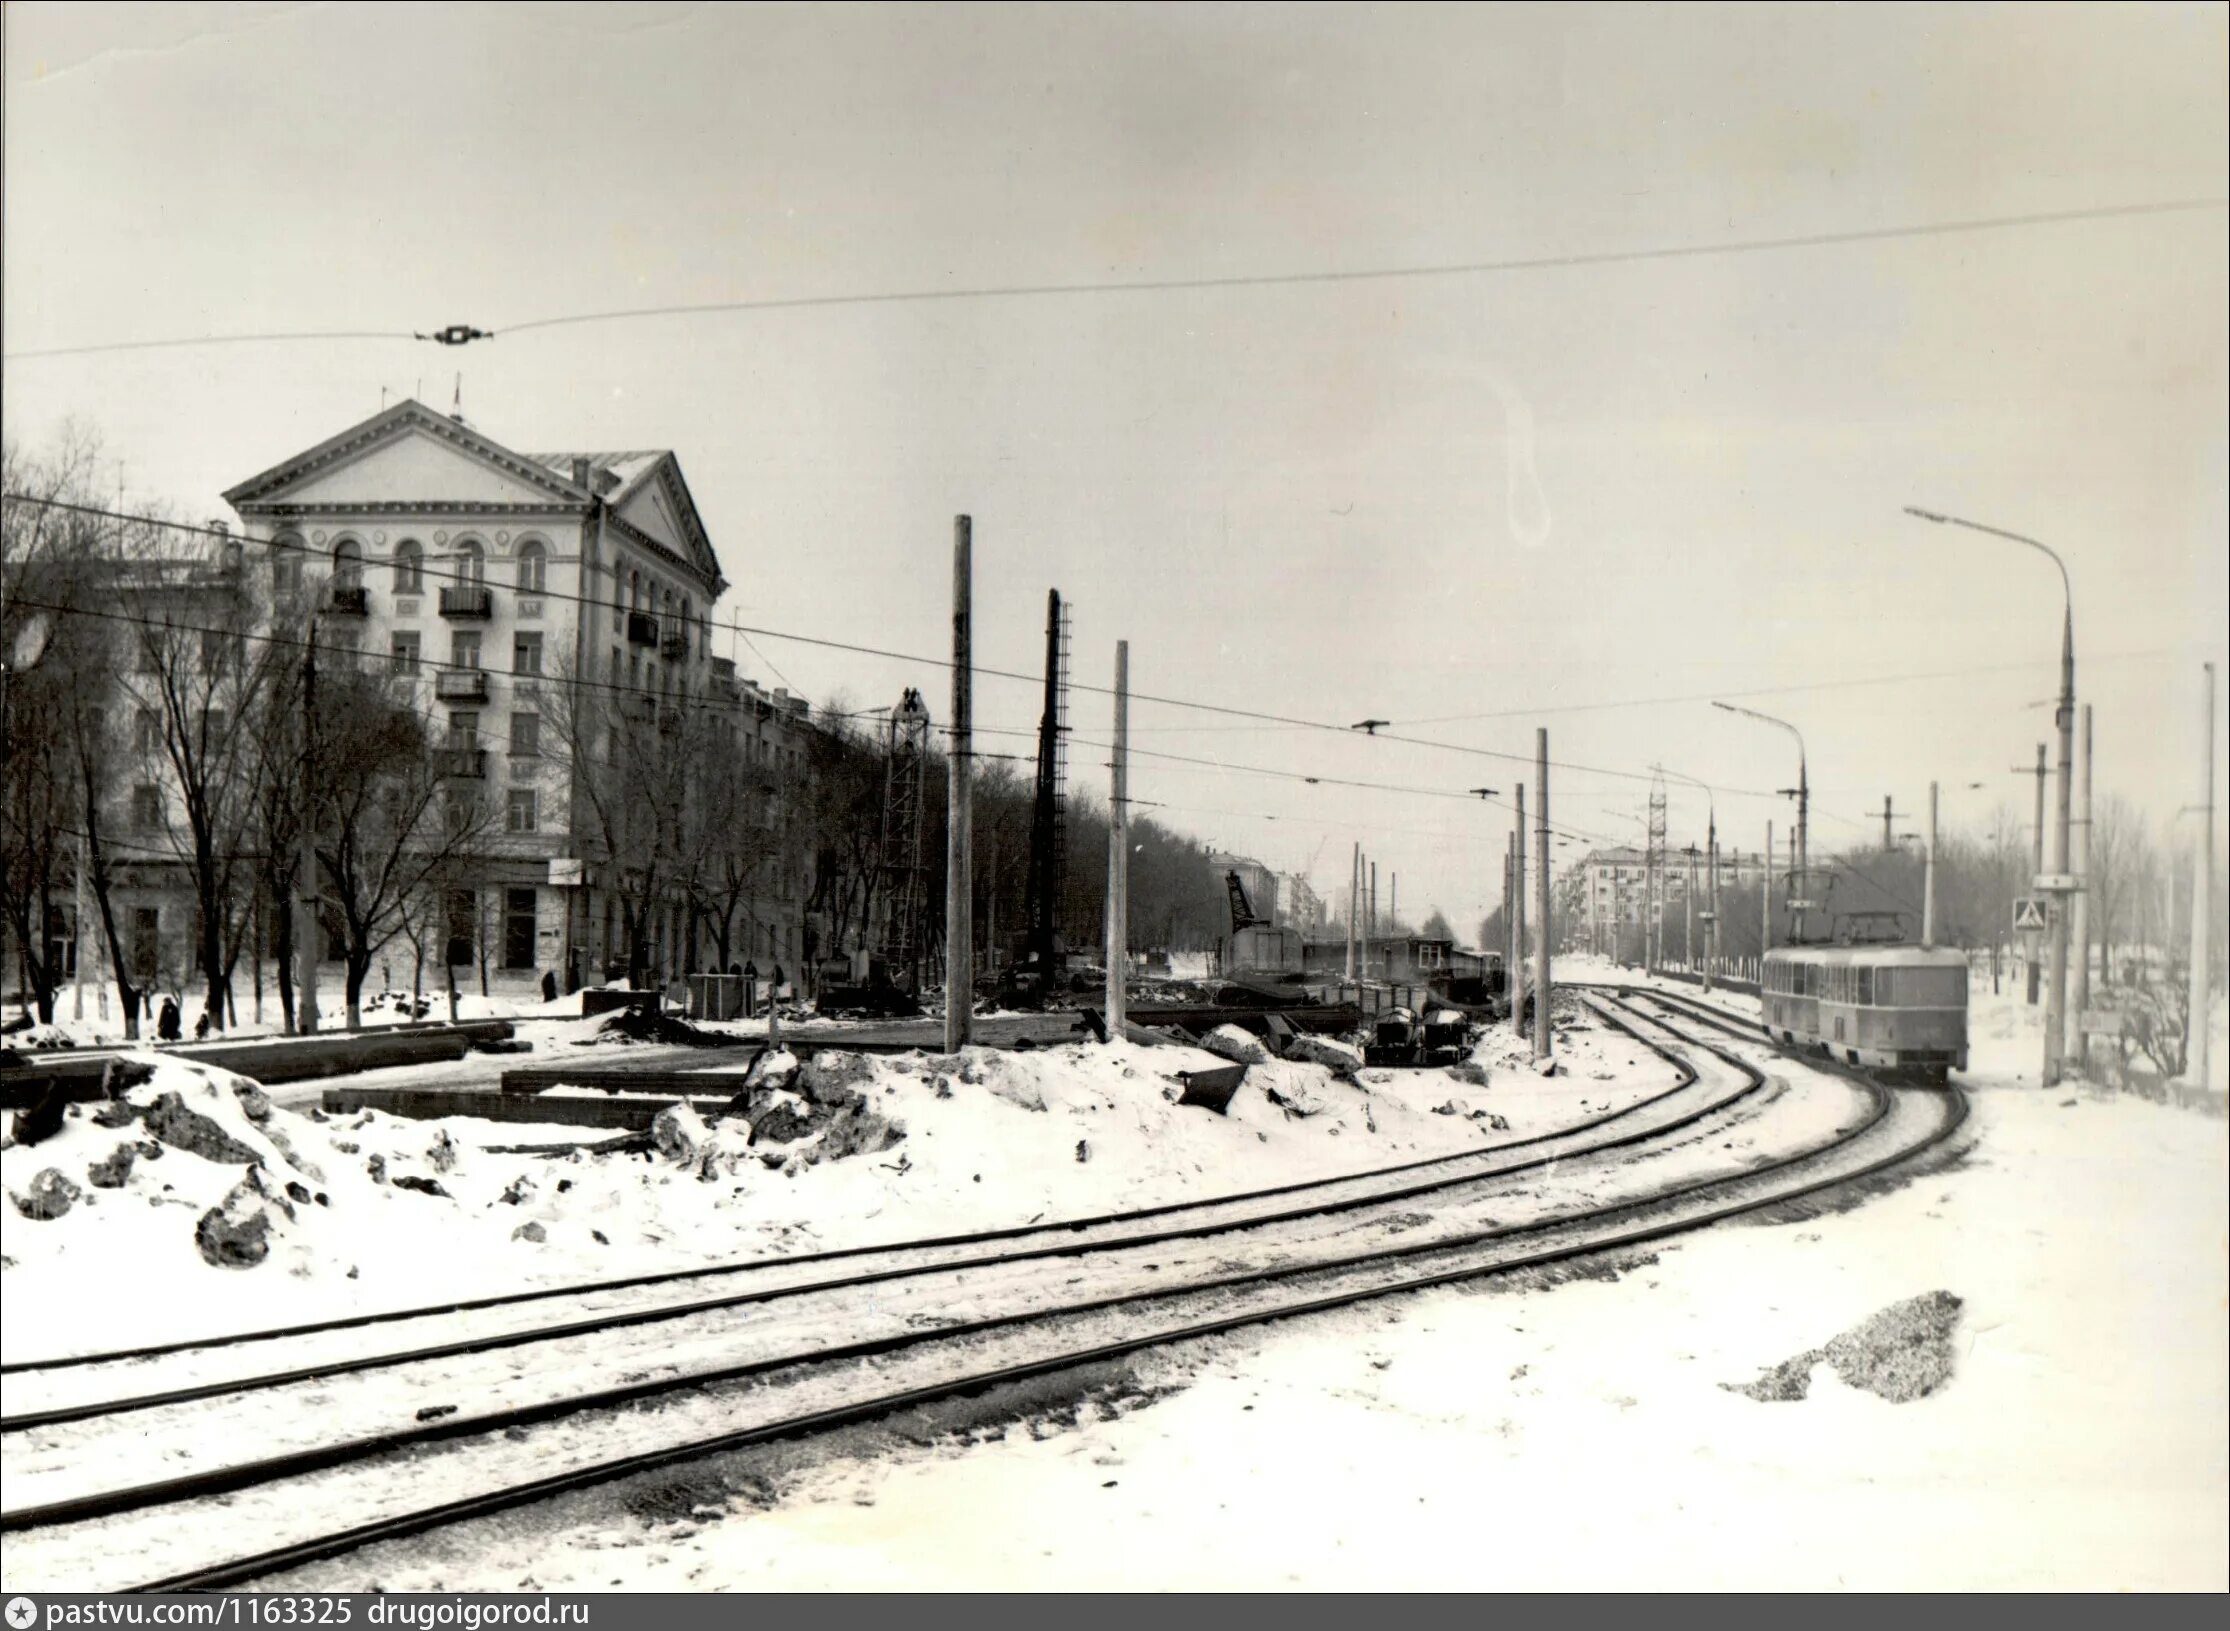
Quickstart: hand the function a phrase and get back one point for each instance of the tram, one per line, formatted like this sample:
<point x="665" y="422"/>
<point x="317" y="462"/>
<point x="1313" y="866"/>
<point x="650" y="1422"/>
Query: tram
<point x="1870" y="1001"/>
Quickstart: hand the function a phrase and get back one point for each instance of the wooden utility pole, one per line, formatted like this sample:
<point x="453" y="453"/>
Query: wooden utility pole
<point x="2198" y="1009"/>
<point x="959" y="941"/>
<point x="1517" y="917"/>
<point x="1542" y="1046"/>
<point x="1118" y="849"/>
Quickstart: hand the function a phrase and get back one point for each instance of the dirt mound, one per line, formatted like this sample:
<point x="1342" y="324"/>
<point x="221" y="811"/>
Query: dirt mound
<point x="647" y="1024"/>
<point x="1900" y="1354"/>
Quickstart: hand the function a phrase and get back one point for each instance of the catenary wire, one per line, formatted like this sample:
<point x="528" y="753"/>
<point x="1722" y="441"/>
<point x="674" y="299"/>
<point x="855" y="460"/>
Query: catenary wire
<point x="1256" y="280"/>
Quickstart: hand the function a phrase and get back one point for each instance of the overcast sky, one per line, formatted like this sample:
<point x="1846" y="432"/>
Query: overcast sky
<point x="1506" y="495"/>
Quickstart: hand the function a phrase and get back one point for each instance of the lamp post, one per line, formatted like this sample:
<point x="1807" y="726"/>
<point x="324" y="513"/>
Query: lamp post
<point x="1803" y="795"/>
<point x="2057" y="882"/>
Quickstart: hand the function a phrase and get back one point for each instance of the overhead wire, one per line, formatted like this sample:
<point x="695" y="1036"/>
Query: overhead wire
<point x="1245" y="280"/>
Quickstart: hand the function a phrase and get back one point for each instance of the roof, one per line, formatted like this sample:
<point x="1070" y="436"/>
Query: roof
<point x="1896" y="954"/>
<point x="631" y="468"/>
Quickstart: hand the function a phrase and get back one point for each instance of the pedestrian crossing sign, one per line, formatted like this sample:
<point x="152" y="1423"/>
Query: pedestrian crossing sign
<point x="2029" y="914"/>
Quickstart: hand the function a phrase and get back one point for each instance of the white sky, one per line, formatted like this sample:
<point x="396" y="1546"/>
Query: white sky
<point x="1403" y="499"/>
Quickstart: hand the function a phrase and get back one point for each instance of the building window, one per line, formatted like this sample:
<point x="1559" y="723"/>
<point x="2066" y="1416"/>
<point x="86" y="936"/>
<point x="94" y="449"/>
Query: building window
<point x="464" y="730"/>
<point x="526" y="654"/>
<point x="519" y="814"/>
<point x="147" y="732"/>
<point x="472" y="564"/>
<point x="526" y="736"/>
<point x="462" y="910"/>
<point x="518" y="928"/>
<point x="403" y="652"/>
<point x="410" y="568"/>
<point x="533" y="563"/>
<point x="286" y="566"/>
<point x="345" y="652"/>
<point x="147" y="807"/>
<point x="464" y="649"/>
<point x="615" y="664"/>
<point x="348" y="564"/>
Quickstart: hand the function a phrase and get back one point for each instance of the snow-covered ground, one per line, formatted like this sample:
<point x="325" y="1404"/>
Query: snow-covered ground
<point x="1000" y="1139"/>
<point x="1489" y="1437"/>
<point x="1580" y="1436"/>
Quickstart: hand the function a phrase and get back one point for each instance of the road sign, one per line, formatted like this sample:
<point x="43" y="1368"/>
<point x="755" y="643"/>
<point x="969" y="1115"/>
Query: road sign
<point x="2030" y="913"/>
<point x="2102" y="1022"/>
<point x="2057" y="883"/>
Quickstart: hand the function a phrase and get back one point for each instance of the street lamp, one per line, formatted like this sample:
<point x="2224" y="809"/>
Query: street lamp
<point x="1803" y="792"/>
<point x="2057" y="882"/>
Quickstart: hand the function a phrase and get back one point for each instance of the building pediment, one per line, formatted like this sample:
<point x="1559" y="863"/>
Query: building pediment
<point x="407" y="454"/>
<point x="658" y="505"/>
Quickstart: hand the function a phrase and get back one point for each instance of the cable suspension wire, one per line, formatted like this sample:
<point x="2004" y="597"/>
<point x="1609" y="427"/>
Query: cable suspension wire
<point x="746" y="630"/>
<point x="460" y="333"/>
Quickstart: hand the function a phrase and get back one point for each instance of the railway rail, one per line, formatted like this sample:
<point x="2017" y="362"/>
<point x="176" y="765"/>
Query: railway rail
<point x="944" y="1331"/>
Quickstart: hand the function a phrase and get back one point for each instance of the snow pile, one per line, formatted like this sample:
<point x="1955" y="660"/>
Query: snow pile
<point x="196" y="1205"/>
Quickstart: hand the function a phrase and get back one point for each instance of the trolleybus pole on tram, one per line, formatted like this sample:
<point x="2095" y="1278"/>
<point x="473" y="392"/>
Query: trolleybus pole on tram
<point x="2056" y="882"/>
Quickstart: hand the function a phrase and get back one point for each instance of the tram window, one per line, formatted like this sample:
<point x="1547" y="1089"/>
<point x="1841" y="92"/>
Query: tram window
<point x="1865" y="987"/>
<point x="1885" y="987"/>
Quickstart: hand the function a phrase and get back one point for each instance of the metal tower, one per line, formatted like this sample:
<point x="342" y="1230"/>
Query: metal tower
<point x="905" y="758"/>
<point x="1049" y="819"/>
<point x="1652" y="949"/>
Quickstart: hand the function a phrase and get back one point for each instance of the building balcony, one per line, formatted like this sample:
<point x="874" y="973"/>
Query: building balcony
<point x="675" y="644"/>
<point x="461" y="684"/>
<point x="465" y="763"/>
<point x="468" y="600"/>
<point x="348" y="600"/>
<point x="642" y="629"/>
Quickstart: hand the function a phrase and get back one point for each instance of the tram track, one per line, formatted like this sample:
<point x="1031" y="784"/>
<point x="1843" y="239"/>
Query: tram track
<point x="768" y="1279"/>
<point x="821" y="1385"/>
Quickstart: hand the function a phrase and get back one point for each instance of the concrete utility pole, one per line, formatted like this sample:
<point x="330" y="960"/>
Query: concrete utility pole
<point x="1518" y="934"/>
<point x="1541" y="1044"/>
<point x="1688" y="925"/>
<point x="2036" y="864"/>
<point x="305" y="883"/>
<point x="1118" y="850"/>
<point x="1354" y="899"/>
<point x="1711" y="866"/>
<point x="77" y="938"/>
<point x="1765" y="896"/>
<point x="1928" y="880"/>
<point x="2078" y="1048"/>
<point x="1510" y="975"/>
<point x="2055" y="1009"/>
<point x="960" y="980"/>
<point x="2200" y="1001"/>
<point x="1372" y="920"/>
<point x="1393" y="903"/>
